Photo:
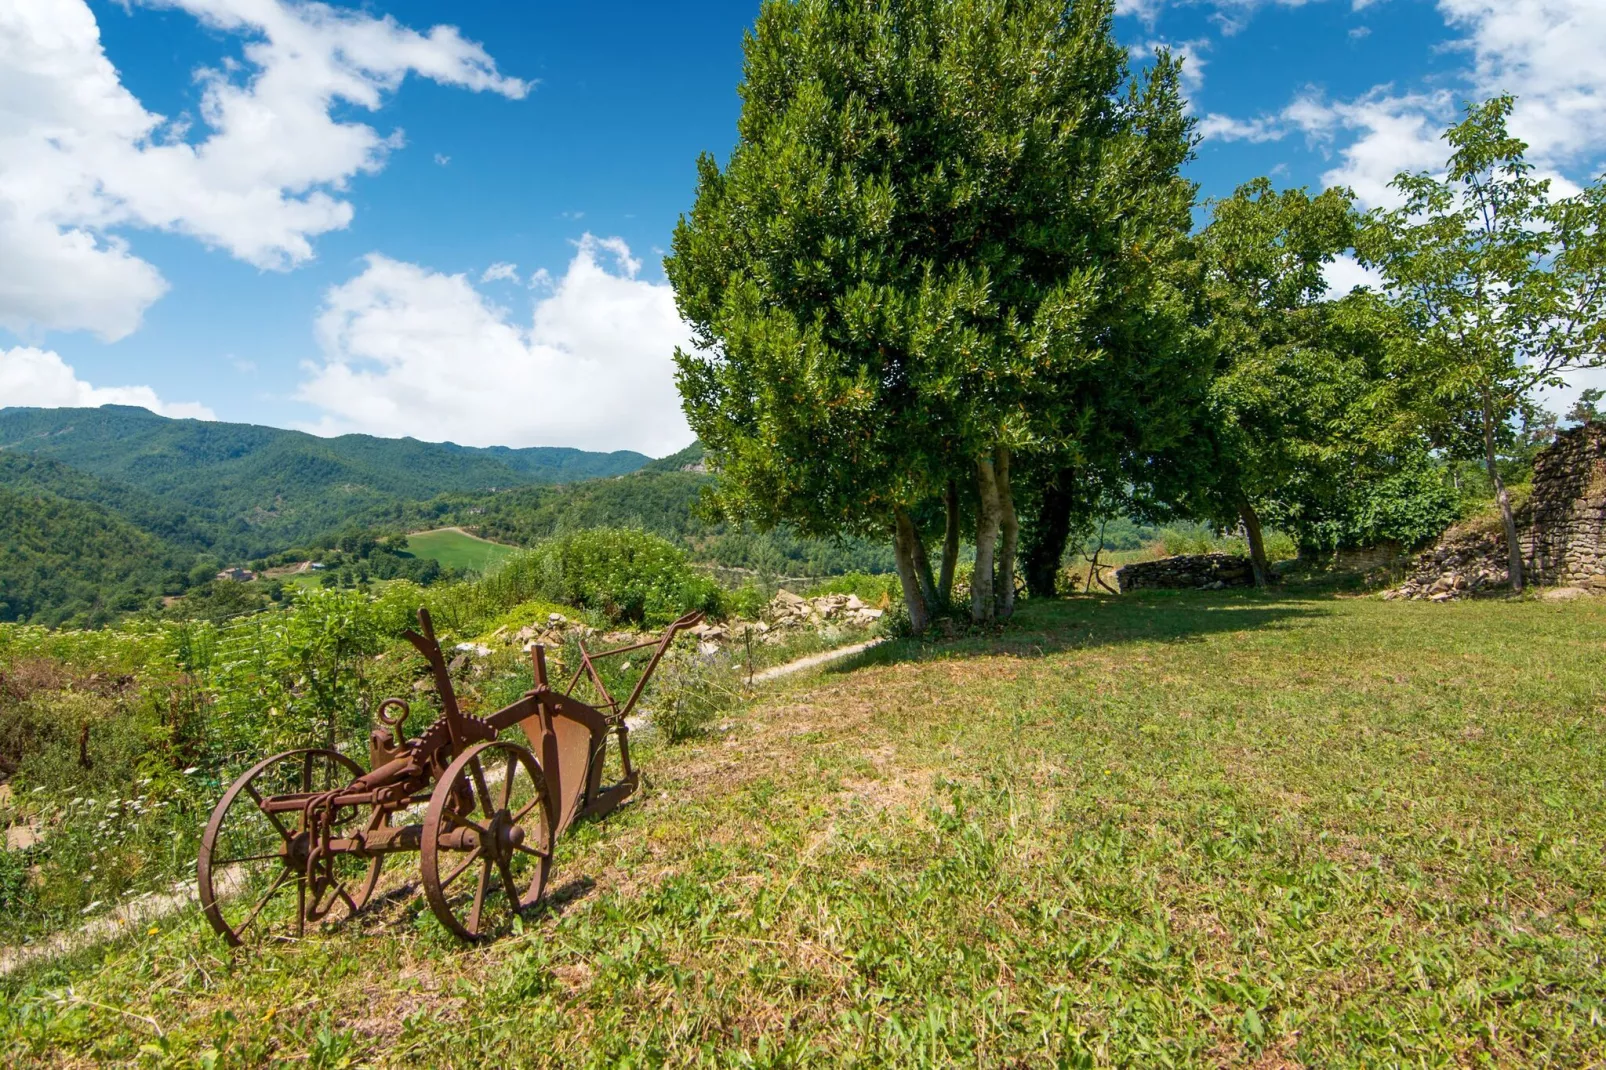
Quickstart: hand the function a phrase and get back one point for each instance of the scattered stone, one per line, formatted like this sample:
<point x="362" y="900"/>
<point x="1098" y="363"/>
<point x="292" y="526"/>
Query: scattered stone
<point x="21" y="837"/>
<point x="1561" y="532"/>
<point x="1187" y="572"/>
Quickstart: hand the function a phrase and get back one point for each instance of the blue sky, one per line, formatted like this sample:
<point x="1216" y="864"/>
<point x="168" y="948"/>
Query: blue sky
<point x="447" y="220"/>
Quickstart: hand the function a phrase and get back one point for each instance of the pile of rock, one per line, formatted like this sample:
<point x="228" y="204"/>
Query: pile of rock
<point x="1462" y="564"/>
<point x="1187" y="572"/>
<point x="787" y="610"/>
<point x="549" y="634"/>
<point x="1561" y="530"/>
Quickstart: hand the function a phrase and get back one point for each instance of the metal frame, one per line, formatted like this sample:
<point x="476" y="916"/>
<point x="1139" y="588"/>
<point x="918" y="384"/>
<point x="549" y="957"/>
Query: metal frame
<point x="324" y="840"/>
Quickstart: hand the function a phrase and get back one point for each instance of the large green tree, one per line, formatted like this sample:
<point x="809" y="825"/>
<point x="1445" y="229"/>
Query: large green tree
<point x="1502" y="283"/>
<point x="895" y="283"/>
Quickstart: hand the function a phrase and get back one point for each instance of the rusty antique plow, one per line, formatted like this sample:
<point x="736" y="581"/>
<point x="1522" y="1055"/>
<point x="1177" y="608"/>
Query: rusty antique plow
<point x="481" y="811"/>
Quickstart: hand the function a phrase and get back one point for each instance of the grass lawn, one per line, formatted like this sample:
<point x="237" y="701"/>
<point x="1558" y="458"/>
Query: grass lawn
<point x="455" y="548"/>
<point x="1194" y="829"/>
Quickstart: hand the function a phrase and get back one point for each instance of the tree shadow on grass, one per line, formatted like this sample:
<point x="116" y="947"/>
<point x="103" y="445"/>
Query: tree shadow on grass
<point x="1083" y="622"/>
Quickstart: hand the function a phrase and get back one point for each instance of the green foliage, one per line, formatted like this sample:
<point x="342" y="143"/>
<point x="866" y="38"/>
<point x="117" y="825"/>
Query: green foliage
<point x="1503" y="287"/>
<point x="247" y="491"/>
<point x="1409" y="503"/>
<point x="875" y="590"/>
<point x="65" y="561"/>
<point x="931" y="210"/>
<point x="689" y="695"/>
<point x="669" y="503"/>
<point x="628" y="575"/>
<point x="1488" y="228"/>
<point x="1306" y="411"/>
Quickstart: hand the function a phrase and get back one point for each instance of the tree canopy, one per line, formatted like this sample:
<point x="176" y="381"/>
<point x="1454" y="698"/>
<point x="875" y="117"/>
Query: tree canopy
<point x="917" y="260"/>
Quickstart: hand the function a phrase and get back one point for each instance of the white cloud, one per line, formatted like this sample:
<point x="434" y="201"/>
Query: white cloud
<point x="1395" y="133"/>
<point x="501" y="271"/>
<point x="80" y="155"/>
<point x="442" y="159"/>
<point x="411" y="351"/>
<point x="1214" y="127"/>
<point x="39" y="377"/>
<point x="1544" y="52"/>
<point x="1344" y="274"/>
<point x="1548" y="53"/>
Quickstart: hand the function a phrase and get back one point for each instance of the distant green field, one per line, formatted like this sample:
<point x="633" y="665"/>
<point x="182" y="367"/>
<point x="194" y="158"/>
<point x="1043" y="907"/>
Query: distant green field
<point x="458" y="549"/>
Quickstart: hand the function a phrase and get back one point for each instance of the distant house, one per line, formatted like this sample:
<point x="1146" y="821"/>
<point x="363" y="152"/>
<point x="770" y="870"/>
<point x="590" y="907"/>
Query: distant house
<point x="241" y="575"/>
<point x="316" y="565"/>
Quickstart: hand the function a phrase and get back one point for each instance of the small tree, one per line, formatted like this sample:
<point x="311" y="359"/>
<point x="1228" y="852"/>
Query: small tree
<point x="1587" y="408"/>
<point x="1503" y="287"/>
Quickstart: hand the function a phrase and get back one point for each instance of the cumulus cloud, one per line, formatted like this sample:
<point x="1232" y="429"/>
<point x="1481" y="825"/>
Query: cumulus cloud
<point x="80" y="156"/>
<point x="1541" y="51"/>
<point x="411" y="351"/>
<point x="501" y="271"/>
<point x="39" y="377"/>
<point x="1344" y="274"/>
<point x="1214" y="127"/>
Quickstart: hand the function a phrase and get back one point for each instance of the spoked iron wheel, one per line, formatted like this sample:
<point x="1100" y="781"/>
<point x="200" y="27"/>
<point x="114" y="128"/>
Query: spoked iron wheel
<point x="250" y="858"/>
<point x="487" y="843"/>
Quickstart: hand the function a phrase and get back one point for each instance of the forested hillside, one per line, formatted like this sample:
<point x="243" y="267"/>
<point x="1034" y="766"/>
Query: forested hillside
<point x="253" y="490"/>
<point x="64" y="560"/>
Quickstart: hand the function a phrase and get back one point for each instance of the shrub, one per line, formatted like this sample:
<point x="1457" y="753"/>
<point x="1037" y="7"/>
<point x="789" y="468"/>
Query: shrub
<point x="880" y="589"/>
<point x="688" y="695"/>
<point x="746" y="601"/>
<point x="630" y="576"/>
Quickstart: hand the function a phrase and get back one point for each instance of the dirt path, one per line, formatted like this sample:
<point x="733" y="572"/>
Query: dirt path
<point x="822" y="658"/>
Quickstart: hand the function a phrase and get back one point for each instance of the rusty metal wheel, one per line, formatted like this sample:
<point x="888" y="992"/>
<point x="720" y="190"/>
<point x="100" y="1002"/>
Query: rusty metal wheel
<point x="490" y="820"/>
<point x="249" y="857"/>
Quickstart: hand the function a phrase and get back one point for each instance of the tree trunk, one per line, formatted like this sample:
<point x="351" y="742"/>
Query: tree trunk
<point x="908" y="575"/>
<point x="1009" y="529"/>
<point x="983" y="609"/>
<point x="917" y="550"/>
<point x="1513" y="545"/>
<point x="1257" y="541"/>
<point x="1045" y="543"/>
<point x="950" y="545"/>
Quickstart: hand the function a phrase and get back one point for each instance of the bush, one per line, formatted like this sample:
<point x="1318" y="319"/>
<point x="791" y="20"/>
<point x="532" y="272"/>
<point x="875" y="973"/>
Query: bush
<point x="882" y="589"/>
<point x="746" y="601"/>
<point x="689" y="695"/>
<point x="630" y="576"/>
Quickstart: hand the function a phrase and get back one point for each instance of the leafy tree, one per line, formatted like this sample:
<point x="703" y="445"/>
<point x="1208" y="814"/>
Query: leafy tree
<point x="894" y="281"/>
<point x="1280" y="384"/>
<point x="1587" y="408"/>
<point x="1502" y="284"/>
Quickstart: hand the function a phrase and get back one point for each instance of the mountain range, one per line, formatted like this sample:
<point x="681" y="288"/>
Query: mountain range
<point x="242" y="490"/>
<point x="103" y="509"/>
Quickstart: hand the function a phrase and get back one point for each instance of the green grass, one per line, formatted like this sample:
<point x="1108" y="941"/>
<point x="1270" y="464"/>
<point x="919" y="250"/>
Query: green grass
<point x="458" y="549"/>
<point x="1169" y="829"/>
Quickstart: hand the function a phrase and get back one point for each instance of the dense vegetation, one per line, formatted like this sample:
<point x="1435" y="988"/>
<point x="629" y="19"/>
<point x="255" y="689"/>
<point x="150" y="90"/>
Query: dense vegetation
<point x="248" y="491"/>
<point x="160" y="714"/>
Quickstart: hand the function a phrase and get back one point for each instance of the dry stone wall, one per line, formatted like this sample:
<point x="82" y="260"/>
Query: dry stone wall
<point x="1562" y="530"/>
<point x="1187" y="572"/>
